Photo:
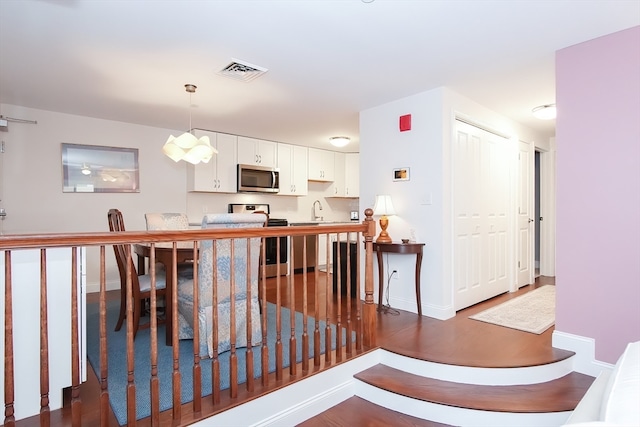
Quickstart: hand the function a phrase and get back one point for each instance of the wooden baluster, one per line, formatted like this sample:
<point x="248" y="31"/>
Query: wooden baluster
<point x="349" y="327"/>
<point x="197" y="369"/>
<point x="233" y="357"/>
<point x="9" y="412"/>
<point x="154" y="382"/>
<point x="249" y="347"/>
<point x="279" y="356"/>
<point x="292" y="317"/>
<point x="76" y="404"/>
<point x="369" y="309"/>
<point x="316" y="306"/>
<point x="131" y="386"/>
<point x="105" y="407"/>
<point x="264" y="350"/>
<point x="328" y="300"/>
<point x="45" y="413"/>
<point x="215" y="363"/>
<point x="305" y="313"/>
<point x="176" y="380"/>
<point x="357" y="296"/>
<point x="338" y="270"/>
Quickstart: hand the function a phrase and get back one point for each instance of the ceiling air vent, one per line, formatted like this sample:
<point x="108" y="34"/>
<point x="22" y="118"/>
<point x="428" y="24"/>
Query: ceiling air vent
<point x="240" y="70"/>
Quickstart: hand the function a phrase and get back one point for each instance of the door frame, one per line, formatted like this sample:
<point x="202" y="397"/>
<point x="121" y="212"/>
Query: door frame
<point x="548" y="209"/>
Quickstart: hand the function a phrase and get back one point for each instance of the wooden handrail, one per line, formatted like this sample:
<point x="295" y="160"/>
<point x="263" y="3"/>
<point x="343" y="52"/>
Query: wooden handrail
<point x="361" y="320"/>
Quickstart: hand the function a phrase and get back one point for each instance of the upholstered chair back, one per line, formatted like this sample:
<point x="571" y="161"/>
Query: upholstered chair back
<point x="222" y="262"/>
<point x="166" y="221"/>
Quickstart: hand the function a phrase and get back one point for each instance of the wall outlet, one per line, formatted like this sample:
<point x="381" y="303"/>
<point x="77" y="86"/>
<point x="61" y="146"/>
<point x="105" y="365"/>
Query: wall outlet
<point x="395" y="275"/>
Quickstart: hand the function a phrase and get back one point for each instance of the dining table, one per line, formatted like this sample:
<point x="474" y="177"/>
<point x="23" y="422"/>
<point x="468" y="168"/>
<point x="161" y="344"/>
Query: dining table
<point x="164" y="255"/>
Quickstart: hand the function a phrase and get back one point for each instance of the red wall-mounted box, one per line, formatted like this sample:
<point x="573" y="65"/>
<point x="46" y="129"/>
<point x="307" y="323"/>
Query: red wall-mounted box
<point x="405" y="122"/>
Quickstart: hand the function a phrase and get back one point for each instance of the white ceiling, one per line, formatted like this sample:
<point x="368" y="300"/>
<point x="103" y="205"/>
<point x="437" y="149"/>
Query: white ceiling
<point x="327" y="60"/>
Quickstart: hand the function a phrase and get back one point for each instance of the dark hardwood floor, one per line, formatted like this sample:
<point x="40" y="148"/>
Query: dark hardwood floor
<point x="459" y="341"/>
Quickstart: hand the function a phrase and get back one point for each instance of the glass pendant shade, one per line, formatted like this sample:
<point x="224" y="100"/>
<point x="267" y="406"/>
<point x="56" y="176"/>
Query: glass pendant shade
<point x="189" y="148"/>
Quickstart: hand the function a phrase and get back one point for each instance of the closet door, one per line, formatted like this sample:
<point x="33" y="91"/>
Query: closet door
<point x="481" y="197"/>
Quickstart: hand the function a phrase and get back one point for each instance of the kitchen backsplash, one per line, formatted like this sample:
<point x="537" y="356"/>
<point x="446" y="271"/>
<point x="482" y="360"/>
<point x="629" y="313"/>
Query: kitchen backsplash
<point x="292" y="208"/>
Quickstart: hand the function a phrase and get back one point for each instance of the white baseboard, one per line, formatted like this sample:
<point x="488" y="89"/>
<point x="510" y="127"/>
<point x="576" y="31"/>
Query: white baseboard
<point x="585" y="349"/>
<point x="311" y="396"/>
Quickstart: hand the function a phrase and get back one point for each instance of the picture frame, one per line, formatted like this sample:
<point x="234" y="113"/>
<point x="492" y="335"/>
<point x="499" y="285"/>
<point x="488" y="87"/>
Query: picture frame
<point x="401" y="174"/>
<point x="99" y="169"/>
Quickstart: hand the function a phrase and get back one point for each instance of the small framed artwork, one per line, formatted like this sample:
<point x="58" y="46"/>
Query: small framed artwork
<point x="98" y="169"/>
<point x="401" y="174"/>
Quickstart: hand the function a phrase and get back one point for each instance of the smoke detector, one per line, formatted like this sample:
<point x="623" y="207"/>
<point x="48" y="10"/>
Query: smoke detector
<point x="243" y="71"/>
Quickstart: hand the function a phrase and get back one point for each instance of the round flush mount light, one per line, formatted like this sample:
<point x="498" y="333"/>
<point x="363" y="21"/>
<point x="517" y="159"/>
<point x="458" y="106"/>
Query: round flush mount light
<point x="339" y="141"/>
<point x="545" y="112"/>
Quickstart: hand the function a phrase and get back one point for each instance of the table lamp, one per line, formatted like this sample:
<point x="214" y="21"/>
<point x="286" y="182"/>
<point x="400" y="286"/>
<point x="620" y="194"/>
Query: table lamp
<point x="383" y="207"/>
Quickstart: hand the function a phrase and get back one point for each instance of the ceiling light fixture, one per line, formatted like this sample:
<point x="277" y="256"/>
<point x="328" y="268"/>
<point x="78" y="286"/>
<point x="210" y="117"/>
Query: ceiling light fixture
<point x="545" y="112"/>
<point x="187" y="147"/>
<point x="339" y="141"/>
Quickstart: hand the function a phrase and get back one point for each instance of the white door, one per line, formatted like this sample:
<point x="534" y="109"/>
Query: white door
<point x="525" y="215"/>
<point x="481" y="183"/>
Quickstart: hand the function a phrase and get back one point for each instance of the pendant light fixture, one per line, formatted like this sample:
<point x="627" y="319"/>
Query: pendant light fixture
<point x="187" y="147"/>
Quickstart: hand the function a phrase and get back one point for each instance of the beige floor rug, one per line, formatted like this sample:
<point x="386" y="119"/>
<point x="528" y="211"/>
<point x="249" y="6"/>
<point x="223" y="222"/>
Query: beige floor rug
<point x="533" y="312"/>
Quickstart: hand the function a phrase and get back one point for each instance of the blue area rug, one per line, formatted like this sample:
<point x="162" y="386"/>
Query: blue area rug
<point x="117" y="362"/>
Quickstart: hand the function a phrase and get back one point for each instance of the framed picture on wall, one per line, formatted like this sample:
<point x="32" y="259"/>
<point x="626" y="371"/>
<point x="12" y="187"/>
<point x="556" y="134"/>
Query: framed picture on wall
<point x="99" y="169"/>
<point x="401" y="174"/>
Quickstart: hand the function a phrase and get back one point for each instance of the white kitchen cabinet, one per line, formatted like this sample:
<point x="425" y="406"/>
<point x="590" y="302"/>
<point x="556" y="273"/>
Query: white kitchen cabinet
<point x="292" y="162"/>
<point x="346" y="175"/>
<point x="352" y="175"/>
<point x="258" y="152"/>
<point x="322" y="252"/>
<point x="321" y="165"/>
<point x="220" y="174"/>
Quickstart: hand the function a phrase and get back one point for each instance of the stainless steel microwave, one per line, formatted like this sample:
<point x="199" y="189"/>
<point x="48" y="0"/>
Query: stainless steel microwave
<point x="259" y="179"/>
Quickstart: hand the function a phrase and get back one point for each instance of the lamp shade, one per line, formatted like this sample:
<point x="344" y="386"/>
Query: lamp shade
<point x="189" y="148"/>
<point x="383" y="205"/>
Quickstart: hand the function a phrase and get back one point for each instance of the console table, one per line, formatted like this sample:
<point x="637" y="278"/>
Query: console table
<point x="399" y="248"/>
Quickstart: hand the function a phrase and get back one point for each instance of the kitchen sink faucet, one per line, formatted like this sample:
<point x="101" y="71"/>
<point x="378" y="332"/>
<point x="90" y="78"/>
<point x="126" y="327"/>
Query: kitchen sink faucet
<point x="316" y="217"/>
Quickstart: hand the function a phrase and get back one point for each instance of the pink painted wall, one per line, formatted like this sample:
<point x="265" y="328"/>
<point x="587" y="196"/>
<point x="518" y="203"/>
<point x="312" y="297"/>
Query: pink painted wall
<point x="598" y="193"/>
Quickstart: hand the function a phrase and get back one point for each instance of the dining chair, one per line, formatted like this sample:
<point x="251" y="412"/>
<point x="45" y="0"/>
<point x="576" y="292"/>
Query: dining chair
<point x="140" y="285"/>
<point x="167" y="221"/>
<point x="223" y="262"/>
<point x="171" y="221"/>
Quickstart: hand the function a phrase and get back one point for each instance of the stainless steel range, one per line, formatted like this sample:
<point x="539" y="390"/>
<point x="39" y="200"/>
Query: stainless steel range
<point x="271" y="243"/>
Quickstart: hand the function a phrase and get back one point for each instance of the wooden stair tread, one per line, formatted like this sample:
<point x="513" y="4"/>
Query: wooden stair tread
<point x="356" y="411"/>
<point x="562" y="394"/>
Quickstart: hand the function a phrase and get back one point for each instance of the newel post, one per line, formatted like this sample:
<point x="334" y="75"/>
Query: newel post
<point x="369" y="309"/>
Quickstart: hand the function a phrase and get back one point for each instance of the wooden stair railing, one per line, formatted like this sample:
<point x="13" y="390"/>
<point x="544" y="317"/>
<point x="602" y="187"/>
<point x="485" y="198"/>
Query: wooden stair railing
<point x="361" y="320"/>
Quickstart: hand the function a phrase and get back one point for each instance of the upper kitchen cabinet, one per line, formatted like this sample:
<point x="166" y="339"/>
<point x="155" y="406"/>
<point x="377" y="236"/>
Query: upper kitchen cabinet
<point x="321" y="165"/>
<point x="219" y="175"/>
<point x="347" y="179"/>
<point x="292" y="162"/>
<point x="352" y="175"/>
<point x="258" y="152"/>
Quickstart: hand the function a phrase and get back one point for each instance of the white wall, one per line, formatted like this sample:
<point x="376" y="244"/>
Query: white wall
<point x="424" y="203"/>
<point x="31" y="177"/>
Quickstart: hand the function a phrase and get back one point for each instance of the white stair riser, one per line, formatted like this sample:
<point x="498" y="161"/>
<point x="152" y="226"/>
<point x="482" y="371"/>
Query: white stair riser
<point x="454" y="415"/>
<point x="479" y="376"/>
